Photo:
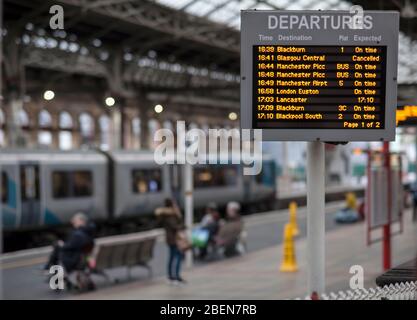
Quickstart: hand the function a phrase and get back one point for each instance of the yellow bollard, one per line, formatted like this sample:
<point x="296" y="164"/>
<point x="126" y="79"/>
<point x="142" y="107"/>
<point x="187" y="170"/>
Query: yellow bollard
<point x="293" y="218"/>
<point x="289" y="263"/>
<point x="351" y="201"/>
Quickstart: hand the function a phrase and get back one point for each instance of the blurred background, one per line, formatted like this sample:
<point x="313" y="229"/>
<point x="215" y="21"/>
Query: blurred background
<point x="80" y="106"/>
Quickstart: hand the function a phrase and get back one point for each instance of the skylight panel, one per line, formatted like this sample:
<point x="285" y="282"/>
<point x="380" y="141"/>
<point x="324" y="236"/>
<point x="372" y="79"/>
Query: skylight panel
<point x="200" y="8"/>
<point x="177" y="4"/>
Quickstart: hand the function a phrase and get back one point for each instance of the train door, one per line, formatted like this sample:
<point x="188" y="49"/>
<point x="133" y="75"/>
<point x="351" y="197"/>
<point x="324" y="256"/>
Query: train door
<point x="247" y="181"/>
<point x="30" y="194"/>
<point x="175" y="180"/>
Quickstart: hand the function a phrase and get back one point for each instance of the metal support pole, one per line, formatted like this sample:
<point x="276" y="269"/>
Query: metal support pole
<point x="144" y="123"/>
<point x="188" y="206"/>
<point x="414" y="185"/>
<point x="315" y="218"/>
<point x="386" y="233"/>
<point x="1" y="104"/>
<point x="1" y="225"/>
<point x="286" y="179"/>
<point x="122" y="124"/>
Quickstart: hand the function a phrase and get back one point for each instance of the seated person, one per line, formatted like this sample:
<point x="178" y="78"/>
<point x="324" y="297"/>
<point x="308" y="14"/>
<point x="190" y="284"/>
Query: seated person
<point x="210" y="222"/>
<point x="80" y="242"/>
<point x="231" y="229"/>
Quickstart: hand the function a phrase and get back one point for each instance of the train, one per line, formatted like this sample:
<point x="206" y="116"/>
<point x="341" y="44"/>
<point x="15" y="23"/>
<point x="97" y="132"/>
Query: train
<point x="43" y="189"/>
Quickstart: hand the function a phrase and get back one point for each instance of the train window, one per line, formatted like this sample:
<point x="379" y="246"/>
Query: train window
<point x="215" y="176"/>
<point x="72" y="184"/>
<point x="60" y="184"/>
<point x="145" y="181"/>
<point x="204" y="177"/>
<point x="4" y="187"/>
<point x="83" y="183"/>
<point x="229" y="175"/>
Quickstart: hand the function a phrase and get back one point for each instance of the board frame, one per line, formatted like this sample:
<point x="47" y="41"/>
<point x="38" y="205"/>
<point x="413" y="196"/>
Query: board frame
<point x="255" y="23"/>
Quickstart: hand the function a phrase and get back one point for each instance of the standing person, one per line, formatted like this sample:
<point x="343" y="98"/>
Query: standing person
<point x="171" y="220"/>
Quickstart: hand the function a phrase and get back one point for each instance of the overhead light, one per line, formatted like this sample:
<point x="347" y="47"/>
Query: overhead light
<point x="48" y="95"/>
<point x="158" y="108"/>
<point x="233" y="116"/>
<point x="110" y="101"/>
<point x="357" y="151"/>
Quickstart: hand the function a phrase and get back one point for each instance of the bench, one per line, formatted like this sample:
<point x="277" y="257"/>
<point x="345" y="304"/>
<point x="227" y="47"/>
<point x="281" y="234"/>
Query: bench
<point x="406" y="272"/>
<point x="124" y="251"/>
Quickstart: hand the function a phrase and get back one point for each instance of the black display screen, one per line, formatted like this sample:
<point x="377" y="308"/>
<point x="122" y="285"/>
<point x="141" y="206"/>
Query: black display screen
<point x="319" y="87"/>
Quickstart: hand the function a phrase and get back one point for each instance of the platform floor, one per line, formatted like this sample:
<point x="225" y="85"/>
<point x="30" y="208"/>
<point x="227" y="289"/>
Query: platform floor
<point x="256" y="275"/>
<point x="23" y="279"/>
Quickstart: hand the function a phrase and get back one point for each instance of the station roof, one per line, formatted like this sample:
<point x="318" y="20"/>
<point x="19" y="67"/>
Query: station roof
<point x="227" y="12"/>
<point x="166" y="44"/>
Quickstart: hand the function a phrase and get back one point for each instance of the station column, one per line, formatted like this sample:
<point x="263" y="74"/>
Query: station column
<point x="315" y="217"/>
<point x="144" y="124"/>
<point x="14" y="74"/>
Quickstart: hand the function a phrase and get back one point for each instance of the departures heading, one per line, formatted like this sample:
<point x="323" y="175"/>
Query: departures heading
<point x="319" y="87"/>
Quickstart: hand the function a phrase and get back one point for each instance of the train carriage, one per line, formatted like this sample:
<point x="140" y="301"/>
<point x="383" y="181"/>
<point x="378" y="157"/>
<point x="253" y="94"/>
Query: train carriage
<point x="45" y="188"/>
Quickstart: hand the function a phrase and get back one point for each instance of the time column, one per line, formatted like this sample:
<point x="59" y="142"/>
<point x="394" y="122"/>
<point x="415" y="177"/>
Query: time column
<point x="264" y="82"/>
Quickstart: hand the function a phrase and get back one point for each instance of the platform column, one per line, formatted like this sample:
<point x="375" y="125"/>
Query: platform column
<point x="188" y="206"/>
<point x="386" y="233"/>
<point x="117" y="128"/>
<point x="315" y="218"/>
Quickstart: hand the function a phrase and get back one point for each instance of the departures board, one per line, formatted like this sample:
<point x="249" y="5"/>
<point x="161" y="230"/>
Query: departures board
<point x="320" y="79"/>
